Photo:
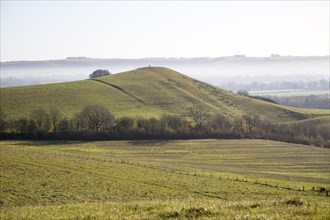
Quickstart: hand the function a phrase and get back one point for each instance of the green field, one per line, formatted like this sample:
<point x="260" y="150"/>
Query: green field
<point x="286" y="93"/>
<point x="182" y="179"/>
<point x="147" y="92"/>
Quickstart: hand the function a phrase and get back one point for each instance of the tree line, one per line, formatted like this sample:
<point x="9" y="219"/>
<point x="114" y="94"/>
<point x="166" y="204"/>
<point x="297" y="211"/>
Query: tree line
<point x="96" y="122"/>
<point x="310" y="101"/>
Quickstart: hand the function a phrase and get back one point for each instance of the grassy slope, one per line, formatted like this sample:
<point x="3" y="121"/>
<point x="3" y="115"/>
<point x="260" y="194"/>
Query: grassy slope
<point x="87" y="180"/>
<point x="161" y="90"/>
<point x="70" y="98"/>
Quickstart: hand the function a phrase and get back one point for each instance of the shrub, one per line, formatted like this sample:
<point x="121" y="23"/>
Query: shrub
<point x="294" y="201"/>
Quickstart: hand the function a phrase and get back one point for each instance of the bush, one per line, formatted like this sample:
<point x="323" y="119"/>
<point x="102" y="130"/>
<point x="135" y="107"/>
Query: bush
<point x="294" y="201"/>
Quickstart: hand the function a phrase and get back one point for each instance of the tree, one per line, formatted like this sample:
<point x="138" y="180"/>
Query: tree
<point x="3" y="121"/>
<point x="251" y="121"/>
<point x="38" y="115"/>
<point x="238" y="126"/>
<point x="174" y="122"/>
<point x="79" y="122"/>
<point x="153" y="126"/>
<point x="11" y="125"/>
<point x="22" y="125"/>
<point x="198" y="115"/>
<point x="32" y="127"/>
<point x="96" y="116"/>
<point x="99" y="73"/>
<point x="124" y="124"/>
<point x="267" y="128"/>
<point x="243" y="92"/>
<point x="220" y="123"/>
<point x="64" y="125"/>
<point x="55" y="117"/>
<point x="149" y="126"/>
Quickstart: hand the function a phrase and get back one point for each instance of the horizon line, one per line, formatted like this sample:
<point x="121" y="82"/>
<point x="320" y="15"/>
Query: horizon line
<point x="146" y="58"/>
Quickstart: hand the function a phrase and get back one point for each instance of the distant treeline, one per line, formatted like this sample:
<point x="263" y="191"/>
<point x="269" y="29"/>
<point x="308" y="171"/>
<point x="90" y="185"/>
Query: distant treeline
<point x="311" y="101"/>
<point x="321" y="84"/>
<point x="95" y="122"/>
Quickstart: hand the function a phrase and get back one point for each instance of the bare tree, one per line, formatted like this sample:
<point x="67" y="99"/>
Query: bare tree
<point x="55" y="117"/>
<point x="267" y="128"/>
<point x="124" y="124"/>
<point x="238" y="126"/>
<point x="3" y="121"/>
<point x="251" y="121"/>
<point x="64" y="125"/>
<point x="22" y="125"/>
<point x="79" y="122"/>
<point x="198" y="115"/>
<point x="32" y="126"/>
<point x="173" y="122"/>
<point x="219" y="122"/>
<point x="38" y="115"/>
<point x="96" y="116"/>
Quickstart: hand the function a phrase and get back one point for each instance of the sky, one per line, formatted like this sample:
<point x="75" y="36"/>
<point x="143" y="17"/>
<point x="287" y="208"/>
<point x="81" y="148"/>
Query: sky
<point x="43" y="30"/>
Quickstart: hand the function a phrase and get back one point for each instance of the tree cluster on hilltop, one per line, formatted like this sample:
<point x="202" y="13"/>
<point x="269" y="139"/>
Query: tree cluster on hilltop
<point x="99" y="73"/>
<point x="95" y="122"/>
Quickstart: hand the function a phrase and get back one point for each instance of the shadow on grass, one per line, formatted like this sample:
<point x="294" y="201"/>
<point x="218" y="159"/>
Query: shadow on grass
<point x="46" y="143"/>
<point x="150" y="142"/>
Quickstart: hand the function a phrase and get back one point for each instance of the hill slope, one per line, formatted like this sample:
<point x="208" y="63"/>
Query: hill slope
<point x="148" y="92"/>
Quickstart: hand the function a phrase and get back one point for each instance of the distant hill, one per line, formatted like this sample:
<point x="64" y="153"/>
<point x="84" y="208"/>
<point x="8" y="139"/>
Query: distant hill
<point x="147" y="92"/>
<point x="238" y="69"/>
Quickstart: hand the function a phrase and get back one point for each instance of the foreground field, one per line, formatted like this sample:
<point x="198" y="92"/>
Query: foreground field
<point x="160" y="179"/>
<point x="280" y="208"/>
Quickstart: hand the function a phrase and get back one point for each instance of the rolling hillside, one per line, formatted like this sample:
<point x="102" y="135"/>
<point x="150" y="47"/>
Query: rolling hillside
<point x="148" y="92"/>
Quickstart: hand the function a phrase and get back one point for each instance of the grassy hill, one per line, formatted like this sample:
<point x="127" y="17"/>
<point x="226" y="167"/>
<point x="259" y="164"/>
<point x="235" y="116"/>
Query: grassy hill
<point x="148" y="92"/>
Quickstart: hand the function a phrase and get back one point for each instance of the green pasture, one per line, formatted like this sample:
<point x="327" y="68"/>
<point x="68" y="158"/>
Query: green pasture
<point x="181" y="179"/>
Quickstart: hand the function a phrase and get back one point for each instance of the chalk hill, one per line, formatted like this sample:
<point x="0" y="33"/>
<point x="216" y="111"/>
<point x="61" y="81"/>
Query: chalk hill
<point x="147" y="92"/>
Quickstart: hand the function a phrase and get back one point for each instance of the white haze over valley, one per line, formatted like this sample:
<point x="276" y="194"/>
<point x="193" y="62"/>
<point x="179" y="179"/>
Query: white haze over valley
<point x="239" y="69"/>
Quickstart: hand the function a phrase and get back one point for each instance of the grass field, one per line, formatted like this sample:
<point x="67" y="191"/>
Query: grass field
<point x="163" y="180"/>
<point x="286" y="93"/>
<point x="147" y="92"/>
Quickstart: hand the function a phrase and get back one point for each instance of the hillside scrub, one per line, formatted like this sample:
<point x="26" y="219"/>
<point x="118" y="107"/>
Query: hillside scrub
<point x="94" y="122"/>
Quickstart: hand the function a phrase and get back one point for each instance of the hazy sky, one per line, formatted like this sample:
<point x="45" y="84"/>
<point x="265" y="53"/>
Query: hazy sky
<point x="42" y="30"/>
